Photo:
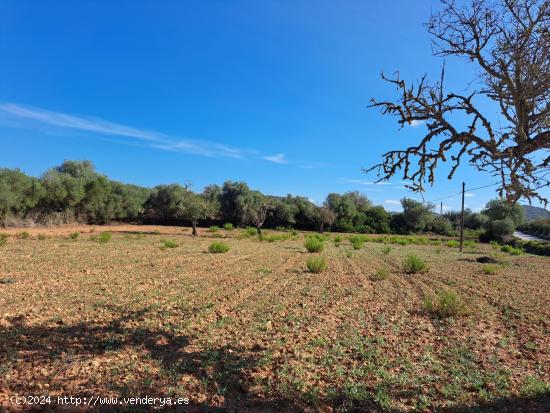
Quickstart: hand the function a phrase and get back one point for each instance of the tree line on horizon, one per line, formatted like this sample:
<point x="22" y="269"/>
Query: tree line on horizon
<point x="75" y="192"/>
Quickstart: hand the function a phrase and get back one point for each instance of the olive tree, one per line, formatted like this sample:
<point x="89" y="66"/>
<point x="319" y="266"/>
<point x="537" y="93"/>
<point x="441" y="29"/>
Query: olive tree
<point x="194" y="208"/>
<point x="255" y="208"/>
<point x="500" y="124"/>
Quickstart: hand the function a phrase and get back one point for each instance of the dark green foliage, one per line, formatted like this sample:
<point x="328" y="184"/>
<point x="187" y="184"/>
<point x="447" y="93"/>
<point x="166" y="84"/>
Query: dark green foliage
<point x="218" y="248"/>
<point x="539" y="228"/>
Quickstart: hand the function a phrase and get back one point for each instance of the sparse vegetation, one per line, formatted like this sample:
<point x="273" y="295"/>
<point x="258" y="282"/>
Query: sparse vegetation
<point x="490" y="269"/>
<point x="3" y="239"/>
<point x="214" y="228"/>
<point x="168" y="243"/>
<point x="24" y="235"/>
<point x="386" y="250"/>
<point x="316" y="265"/>
<point x="41" y="237"/>
<point x="228" y="226"/>
<point x="414" y="264"/>
<point x="105" y="237"/>
<point x="381" y="274"/>
<point x="218" y="248"/>
<point x="74" y="235"/>
<point x="445" y="304"/>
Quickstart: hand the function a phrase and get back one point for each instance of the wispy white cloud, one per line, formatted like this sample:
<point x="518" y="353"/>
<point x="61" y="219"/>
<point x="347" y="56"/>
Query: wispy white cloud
<point x="26" y="116"/>
<point x="278" y="158"/>
<point x="415" y="123"/>
<point x="469" y="194"/>
<point x="392" y="202"/>
<point x="364" y="182"/>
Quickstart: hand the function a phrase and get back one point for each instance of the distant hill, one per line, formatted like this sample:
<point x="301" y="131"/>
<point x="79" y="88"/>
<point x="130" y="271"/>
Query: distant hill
<point x="532" y="212"/>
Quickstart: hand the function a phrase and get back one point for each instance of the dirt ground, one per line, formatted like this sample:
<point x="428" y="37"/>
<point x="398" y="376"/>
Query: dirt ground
<point x="252" y="330"/>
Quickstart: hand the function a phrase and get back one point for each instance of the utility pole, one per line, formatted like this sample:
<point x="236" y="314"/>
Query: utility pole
<point x="441" y="208"/>
<point x="462" y="218"/>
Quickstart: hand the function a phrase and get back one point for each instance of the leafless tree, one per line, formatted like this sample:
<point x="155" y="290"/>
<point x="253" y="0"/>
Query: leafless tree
<point x="509" y="42"/>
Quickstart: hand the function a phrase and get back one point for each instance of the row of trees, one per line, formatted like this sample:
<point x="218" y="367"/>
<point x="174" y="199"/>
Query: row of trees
<point x="74" y="191"/>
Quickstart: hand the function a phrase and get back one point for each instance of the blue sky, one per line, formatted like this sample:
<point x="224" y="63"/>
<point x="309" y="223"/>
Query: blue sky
<point x="274" y="93"/>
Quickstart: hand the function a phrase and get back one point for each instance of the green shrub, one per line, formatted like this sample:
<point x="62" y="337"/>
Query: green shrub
<point x="314" y="244"/>
<point x="168" y="243"/>
<point x="495" y="245"/>
<point x="489" y="269"/>
<point x="218" y="248"/>
<point x="228" y="226"/>
<point x="294" y="232"/>
<point x="105" y="237"/>
<point x="349" y="254"/>
<point x="445" y="304"/>
<point x="453" y="243"/>
<point x="338" y="238"/>
<point x="357" y="244"/>
<point x="381" y="274"/>
<point x="24" y="235"/>
<point x="3" y="239"/>
<point x="414" y="264"/>
<point x="74" y="235"/>
<point x="511" y="250"/>
<point x="214" y="228"/>
<point x="250" y="231"/>
<point x="470" y="244"/>
<point x="316" y="264"/>
<point x="41" y="237"/>
<point x="386" y="250"/>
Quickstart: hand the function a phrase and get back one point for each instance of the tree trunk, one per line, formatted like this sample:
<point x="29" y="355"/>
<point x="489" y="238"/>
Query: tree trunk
<point x="322" y="228"/>
<point x="194" y="225"/>
<point x="259" y="231"/>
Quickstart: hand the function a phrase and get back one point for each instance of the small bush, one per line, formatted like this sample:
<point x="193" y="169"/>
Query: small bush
<point x="349" y="254"/>
<point x="41" y="237"/>
<point x="495" y="245"/>
<point x="274" y="237"/>
<point x="316" y="264"/>
<point x="489" y="269"/>
<point x="168" y="243"/>
<point x="381" y="274"/>
<point x="453" y="243"/>
<point x="470" y="244"/>
<point x="214" y="228"/>
<point x="24" y="235"/>
<point x="357" y="244"/>
<point x="414" y="264"/>
<point x="338" y="238"/>
<point x="218" y="248"/>
<point x="74" y="235"/>
<point x="228" y="226"/>
<point x="105" y="237"/>
<point x="511" y="250"/>
<point x="3" y="239"/>
<point x="314" y="244"/>
<point x="294" y="232"/>
<point x="386" y="250"/>
<point x="444" y="304"/>
<point x="250" y="231"/>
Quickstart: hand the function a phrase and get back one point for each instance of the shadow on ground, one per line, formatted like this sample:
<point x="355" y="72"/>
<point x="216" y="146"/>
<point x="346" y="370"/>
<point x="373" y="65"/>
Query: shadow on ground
<point x="222" y="370"/>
